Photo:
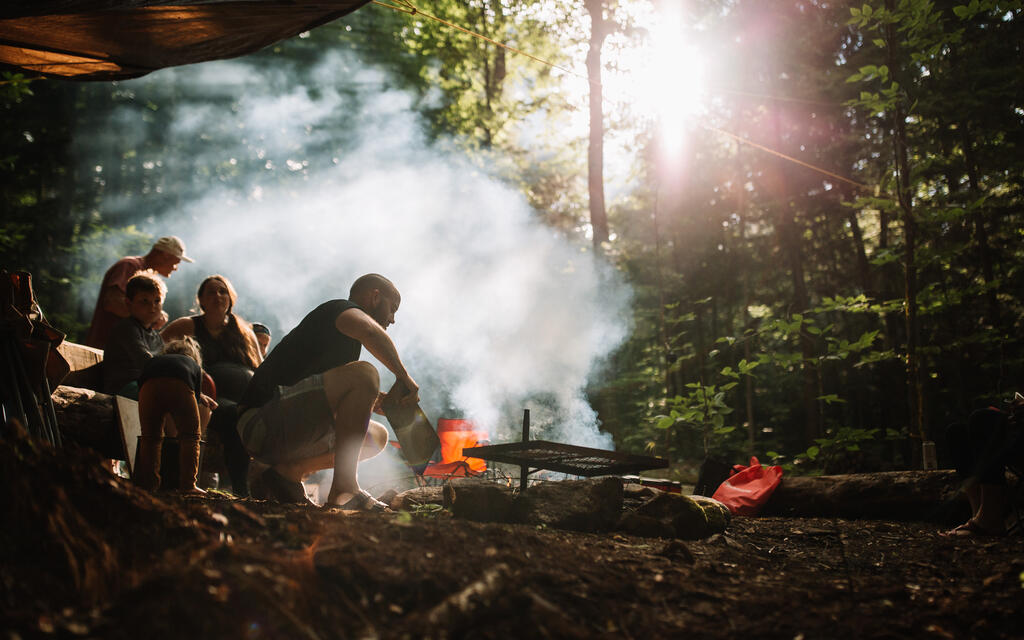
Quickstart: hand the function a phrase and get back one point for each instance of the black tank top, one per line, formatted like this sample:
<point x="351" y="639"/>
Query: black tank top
<point x="230" y="373"/>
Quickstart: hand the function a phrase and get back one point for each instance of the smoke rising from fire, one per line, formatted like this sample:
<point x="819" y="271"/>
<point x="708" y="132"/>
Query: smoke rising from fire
<point x="297" y="181"/>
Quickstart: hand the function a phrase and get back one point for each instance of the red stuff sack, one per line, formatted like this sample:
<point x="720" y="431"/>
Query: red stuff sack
<point x="748" y="488"/>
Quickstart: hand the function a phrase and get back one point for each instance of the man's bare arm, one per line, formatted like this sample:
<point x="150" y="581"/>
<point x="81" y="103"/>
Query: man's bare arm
<point x="357" y="324"/>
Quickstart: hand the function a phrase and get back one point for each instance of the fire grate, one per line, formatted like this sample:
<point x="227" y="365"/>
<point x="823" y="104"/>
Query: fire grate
<point x="566" y="458"/>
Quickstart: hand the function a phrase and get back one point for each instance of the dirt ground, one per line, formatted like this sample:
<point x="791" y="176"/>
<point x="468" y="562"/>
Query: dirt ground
<point x="85" y="554"/>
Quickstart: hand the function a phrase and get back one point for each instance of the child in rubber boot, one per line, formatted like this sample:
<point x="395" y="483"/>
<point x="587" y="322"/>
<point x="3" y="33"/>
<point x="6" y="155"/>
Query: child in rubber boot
<point x="170" y="385"/>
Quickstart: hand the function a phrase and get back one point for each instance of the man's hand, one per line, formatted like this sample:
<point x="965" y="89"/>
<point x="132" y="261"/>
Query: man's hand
<point x="413" y="395"/>
<point x="207" y="401"/>
<point x="378" y="404"/>
<point x="161" y="321"/>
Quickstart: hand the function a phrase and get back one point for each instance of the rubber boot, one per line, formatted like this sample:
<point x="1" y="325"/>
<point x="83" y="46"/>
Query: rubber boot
<point x="147" y="462"/>
<point x="188" y="463"/>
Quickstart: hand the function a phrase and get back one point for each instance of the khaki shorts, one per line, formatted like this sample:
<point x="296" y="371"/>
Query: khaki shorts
<point x="297" y="424"/>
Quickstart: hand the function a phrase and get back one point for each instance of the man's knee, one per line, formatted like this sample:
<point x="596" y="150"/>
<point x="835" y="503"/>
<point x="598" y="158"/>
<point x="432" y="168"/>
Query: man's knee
<point x="377" y="434"/>
<point x="359" y="375"/>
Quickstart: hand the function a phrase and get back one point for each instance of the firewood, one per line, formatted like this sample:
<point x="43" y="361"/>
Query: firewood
<point x="88" y="418"/>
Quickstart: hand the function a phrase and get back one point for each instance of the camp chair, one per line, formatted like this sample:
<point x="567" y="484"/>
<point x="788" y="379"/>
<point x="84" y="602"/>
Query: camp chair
<point x="456" y="435"/>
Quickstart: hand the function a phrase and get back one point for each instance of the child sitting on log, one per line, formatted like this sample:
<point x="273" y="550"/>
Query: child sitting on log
<point x="171" y="384"/>
<point x="133" y="340"/>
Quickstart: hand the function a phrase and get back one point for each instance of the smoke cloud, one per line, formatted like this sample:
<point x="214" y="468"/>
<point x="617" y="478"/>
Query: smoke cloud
<point x="294" y="182"/>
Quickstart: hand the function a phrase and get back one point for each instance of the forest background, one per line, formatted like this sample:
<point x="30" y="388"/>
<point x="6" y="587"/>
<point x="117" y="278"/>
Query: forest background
<point x="816" y="205"/>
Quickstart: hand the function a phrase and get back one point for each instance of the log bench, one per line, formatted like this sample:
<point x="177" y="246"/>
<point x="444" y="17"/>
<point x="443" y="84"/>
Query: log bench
<point x="87" y="416"/>
<point x="99" y="421"/>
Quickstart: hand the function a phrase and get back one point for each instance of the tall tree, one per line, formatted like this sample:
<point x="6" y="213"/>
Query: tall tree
<point x="600" y="27"/>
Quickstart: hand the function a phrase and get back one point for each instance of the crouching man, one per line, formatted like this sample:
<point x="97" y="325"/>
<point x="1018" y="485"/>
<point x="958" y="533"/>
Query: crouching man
<point x="308" y="405"/>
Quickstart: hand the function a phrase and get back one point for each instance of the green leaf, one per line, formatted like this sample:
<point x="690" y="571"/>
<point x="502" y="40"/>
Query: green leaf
<point x="812" y="452"/>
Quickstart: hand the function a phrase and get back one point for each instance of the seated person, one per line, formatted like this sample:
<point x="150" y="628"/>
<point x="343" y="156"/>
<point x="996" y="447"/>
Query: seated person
<point x="981" y="449"/>
<point x="134" y="340"/>
<point x="170" y="386"/>
<point x="230" y="355"/>
<point x="262" y="332"/>
<point x="163" y="258"/>
<point x="228" y="345"/>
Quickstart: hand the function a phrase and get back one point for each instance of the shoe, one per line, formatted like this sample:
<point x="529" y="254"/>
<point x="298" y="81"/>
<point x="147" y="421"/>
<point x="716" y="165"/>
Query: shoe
<point x="271" y="485"/>
<point x="362" y="501"/>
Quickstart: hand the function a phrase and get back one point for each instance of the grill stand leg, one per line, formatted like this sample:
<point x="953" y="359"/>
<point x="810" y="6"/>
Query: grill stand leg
<point x="524" y="470"/>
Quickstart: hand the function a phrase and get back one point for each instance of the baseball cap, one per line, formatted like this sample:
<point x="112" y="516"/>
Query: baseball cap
<point x="174" y="246"/>
<point x="260" y="328"/>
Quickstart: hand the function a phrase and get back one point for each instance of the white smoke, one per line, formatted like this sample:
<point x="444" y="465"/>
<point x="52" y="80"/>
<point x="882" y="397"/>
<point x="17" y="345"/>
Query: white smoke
<point x="499" y="313"/>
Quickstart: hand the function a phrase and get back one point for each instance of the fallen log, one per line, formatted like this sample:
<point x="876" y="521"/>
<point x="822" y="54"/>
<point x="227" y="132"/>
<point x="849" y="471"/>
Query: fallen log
<point x="928" y="496"/>
<point x="88" y="418"/>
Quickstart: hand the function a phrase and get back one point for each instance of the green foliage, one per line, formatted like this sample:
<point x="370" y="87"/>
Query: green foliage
<point x="769" y="299"/>
<point x="842" y="449"/>
<point x="14" y="87"/>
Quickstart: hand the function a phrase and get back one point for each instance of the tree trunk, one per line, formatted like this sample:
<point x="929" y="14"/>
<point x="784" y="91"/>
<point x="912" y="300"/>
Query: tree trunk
<point x="599" y="28"/>
<point x="914" y="386"/>
<point x="980" y="231"/>
<point x="863" y="268"/>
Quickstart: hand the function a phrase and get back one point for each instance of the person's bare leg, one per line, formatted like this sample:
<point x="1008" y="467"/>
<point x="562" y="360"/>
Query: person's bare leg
<point x="973" y="491"/>
<point x="991" y="515"/>
<point x="373" y="443"/>
<point x="351" y="392"/>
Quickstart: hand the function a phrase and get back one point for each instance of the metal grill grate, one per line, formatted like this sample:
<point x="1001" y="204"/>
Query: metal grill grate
<point x="566" y="458"/>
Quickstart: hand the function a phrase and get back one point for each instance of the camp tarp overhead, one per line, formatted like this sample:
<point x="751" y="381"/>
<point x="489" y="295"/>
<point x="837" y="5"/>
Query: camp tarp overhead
<point x="118" y="39"/>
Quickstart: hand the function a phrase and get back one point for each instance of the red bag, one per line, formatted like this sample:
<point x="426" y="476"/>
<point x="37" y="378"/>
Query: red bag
<point x="748" y="488"/>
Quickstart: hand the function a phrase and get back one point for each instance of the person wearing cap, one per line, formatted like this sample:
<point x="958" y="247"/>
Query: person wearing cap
<point x="112" y="304"/>
<point x="262" y="332"/>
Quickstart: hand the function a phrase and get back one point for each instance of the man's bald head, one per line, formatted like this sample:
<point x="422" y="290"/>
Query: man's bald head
<point x="364" y="285"/>
<point x="378" y="296"/>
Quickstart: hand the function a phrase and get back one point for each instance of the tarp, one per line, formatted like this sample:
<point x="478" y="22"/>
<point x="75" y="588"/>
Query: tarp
<point x="118" y="39"/>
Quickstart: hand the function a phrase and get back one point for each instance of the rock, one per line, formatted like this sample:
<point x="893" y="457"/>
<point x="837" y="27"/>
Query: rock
<point x="643" y="526"/>
<point x="388" y="496"/>
<point x="718" y="514"/>
<point x="632" y="490"/>
<point x="691" y="523"/>
<point x="578" y="505"/>
<point x="685" y="515"/>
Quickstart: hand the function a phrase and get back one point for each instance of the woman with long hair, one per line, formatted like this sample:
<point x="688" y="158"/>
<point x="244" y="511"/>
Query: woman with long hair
<point x="228" y="344"/>
<point x="230" y="355"/>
